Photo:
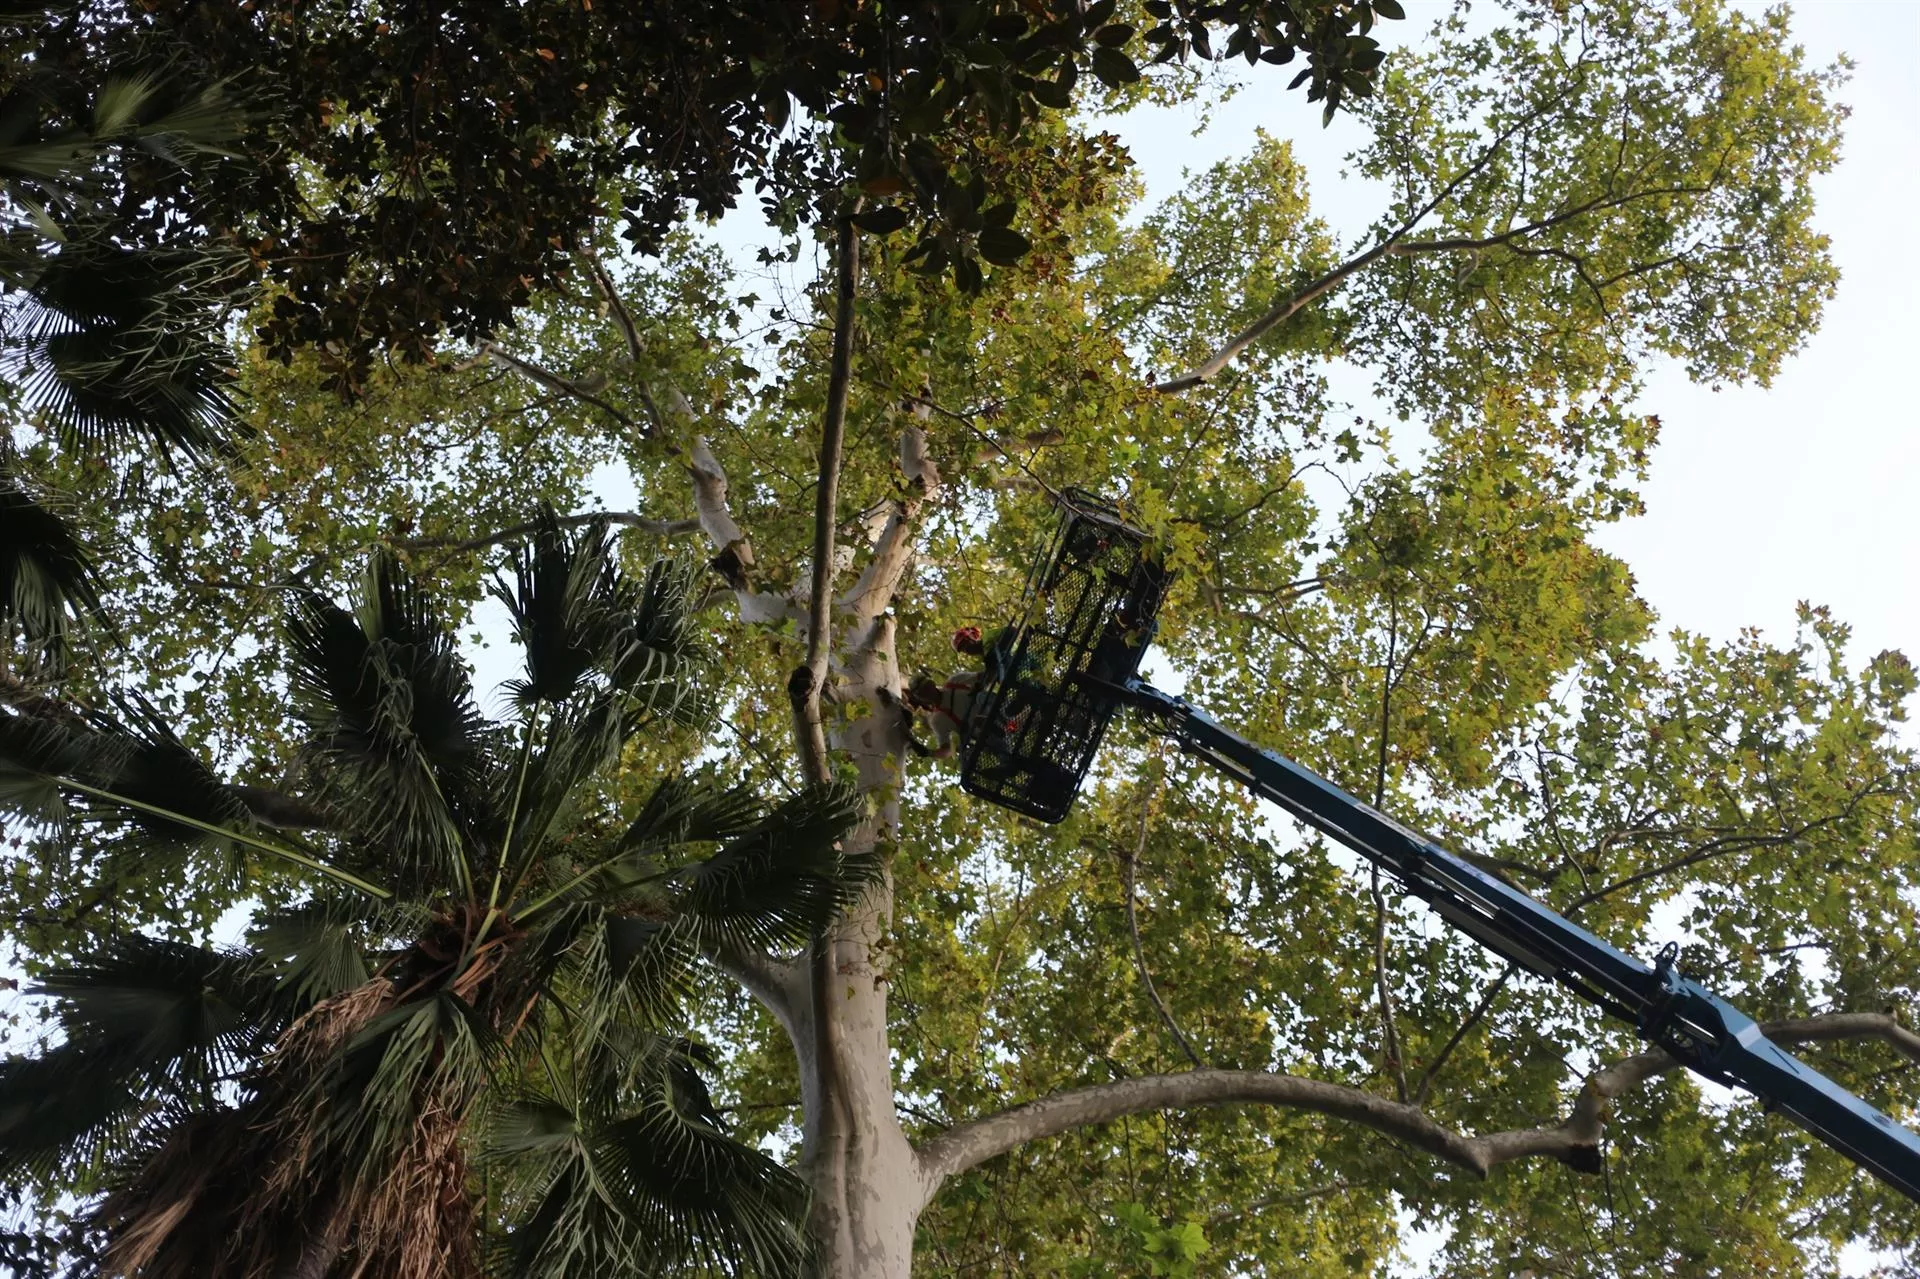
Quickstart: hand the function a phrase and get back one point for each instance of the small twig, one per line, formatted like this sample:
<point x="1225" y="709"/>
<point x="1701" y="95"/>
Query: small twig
<point x="626" y="519"/>
<point x="1480" y="1010"/>
<point x="554" y="381"/>
<point x="1139" y="952"/>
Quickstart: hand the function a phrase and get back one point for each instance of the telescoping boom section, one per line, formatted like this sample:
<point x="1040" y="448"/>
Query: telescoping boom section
<point x="1070" y="662"/>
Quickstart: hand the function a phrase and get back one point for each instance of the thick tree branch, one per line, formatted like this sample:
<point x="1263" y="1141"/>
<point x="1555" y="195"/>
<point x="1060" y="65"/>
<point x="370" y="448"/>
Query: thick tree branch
<point x="764" y="977"/>
<point x="893" y="547"/>
<point x="1574" y="1141"/>
<point x="972" y="1144"/>
<point x="733" y="558"/>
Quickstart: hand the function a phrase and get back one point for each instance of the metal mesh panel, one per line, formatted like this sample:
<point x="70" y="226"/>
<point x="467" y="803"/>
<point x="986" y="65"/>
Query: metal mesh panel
<point x="1043" y="707"/>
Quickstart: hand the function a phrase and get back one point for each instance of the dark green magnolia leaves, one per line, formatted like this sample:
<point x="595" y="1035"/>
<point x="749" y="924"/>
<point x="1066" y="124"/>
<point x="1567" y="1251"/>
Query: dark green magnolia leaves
<point x="1003" y="246"/>
<point x="883" y="220"/>
<point x="1114" y="67"/>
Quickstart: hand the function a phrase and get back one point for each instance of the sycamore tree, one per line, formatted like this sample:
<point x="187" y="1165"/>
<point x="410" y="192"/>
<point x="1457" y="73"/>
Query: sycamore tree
<point x="1170" y="1035"/>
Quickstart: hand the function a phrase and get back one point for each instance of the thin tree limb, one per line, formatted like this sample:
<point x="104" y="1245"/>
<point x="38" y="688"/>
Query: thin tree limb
<point x="1425" y="1088"/>
<point x="626" y="519"/>
<point x="1395" y="245"/>
<point x="616" y="306"/>
<point x="1139" y="952"/>
<point x="809" y="682"/>
<point x="566" y="386"/>
<point x="1388" y="1029"/>
<point x="805" y="688"/>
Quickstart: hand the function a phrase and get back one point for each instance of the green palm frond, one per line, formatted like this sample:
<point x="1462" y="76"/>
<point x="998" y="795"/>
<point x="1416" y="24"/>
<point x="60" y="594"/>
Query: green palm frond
<point x="321" y="948"/>
<point x="643" y="1179"/>
<point x="397" y="743"/>
<point x="149" y="1025"/>
<point x="197" y="1012"/>
<point x="565" y="602"/>
<point x="685" y="810"/>
<point x="577" y="615"/>
<point x="164" y="117"/>
<point x="142" y="783"/>
<point x="36" y="753"/>
<point x="435" y="1051"/>
<point x="156" y="782"/>
<point x="113" y="344"/>
<point x="631" y="970"/>
<point x="46" y="574"/>
<point x="334" y="1075"/>
<point x="788" y="876"/>
<point x="660" y="643"/>
<point x="581" y="743"/>
<point x="63" y="1110"/>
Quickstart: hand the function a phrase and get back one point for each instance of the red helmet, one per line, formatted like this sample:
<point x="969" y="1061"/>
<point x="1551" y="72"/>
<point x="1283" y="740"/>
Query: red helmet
<point x="967" y="639"/>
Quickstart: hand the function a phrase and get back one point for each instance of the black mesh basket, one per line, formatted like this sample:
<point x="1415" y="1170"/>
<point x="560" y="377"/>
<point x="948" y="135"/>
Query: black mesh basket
<point x="1048" y="690"/>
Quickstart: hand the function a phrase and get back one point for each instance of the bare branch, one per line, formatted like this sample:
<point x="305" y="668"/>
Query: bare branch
<point x="971" y="1144"/>
<point x="809" y="681"/>
<point x="555" y="382"/>
<point x="626" y="519"/>
<point x="804" y="689"/>
<point x="1139" y="951"/>
<point x="1574" y="1141"/>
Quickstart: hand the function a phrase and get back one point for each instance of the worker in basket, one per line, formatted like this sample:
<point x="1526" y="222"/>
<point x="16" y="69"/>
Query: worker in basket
<point x="948" y="707"/>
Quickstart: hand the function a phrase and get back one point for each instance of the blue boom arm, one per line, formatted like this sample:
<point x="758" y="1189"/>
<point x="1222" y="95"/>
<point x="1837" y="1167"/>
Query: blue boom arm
<point x="1697" y="1027"/>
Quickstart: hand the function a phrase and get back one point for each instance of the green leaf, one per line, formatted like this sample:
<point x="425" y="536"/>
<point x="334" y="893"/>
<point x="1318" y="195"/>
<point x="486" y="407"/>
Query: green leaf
<point x="1003" y="246"/>
<point x="884" y="220"/>
<point x="1114" y="67"/>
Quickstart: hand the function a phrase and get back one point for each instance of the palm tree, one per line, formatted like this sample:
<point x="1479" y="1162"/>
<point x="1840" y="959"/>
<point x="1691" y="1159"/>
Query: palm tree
<point x="111" y="336"/>
<point x="450" y="1058"/>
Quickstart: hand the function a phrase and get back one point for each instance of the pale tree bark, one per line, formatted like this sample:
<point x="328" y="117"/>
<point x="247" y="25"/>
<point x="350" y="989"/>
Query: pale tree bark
<point x="832" y="1003"/>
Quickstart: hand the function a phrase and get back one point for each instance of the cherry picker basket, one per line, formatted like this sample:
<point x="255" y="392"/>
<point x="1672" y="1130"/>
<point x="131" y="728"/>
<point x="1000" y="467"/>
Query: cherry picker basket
<point x="1046" y="695"/>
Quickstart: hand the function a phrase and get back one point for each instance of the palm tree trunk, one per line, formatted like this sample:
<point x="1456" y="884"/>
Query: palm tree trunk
<point x="323" y="1245"/>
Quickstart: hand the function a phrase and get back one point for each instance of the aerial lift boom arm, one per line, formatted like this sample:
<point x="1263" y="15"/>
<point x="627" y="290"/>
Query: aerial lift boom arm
<point x="1700" y="1030"/>
<point x="1070" y="662"/>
